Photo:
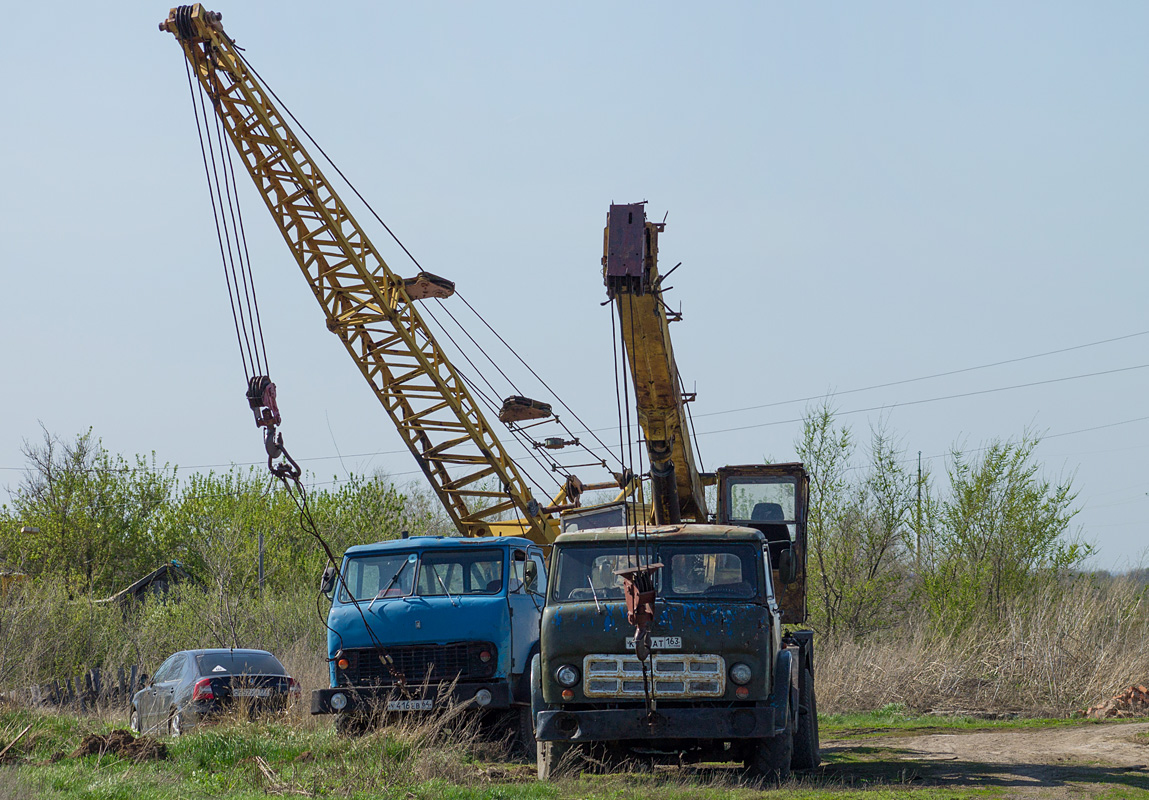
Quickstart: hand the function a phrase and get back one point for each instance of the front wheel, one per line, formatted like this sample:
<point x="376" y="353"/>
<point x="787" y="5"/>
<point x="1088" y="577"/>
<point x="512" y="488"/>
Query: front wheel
<point x="134" y="720"/>
<point x="552" y="758"/>
<point x="176" y="723"/>
<point x="769" y="759"/>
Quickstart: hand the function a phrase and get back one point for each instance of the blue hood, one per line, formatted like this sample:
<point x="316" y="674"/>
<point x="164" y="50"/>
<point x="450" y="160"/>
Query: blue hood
<point x="424" y="620"/>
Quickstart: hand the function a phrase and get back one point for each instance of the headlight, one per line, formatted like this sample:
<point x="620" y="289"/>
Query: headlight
<point x="567" y="675"/>
<point x="483" y="697"/>
<point x="741" y="673"/>
<point x="339" y="701"/>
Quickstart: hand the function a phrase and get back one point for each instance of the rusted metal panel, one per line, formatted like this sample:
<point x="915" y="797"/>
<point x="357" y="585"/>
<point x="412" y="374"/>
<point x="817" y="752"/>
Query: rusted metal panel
<point x="626" y="242"/>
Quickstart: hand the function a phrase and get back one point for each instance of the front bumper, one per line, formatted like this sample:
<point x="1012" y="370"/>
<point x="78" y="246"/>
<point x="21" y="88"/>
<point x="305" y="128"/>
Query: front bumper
<point x="371" y="699"/>
<point x="615" y="724"/>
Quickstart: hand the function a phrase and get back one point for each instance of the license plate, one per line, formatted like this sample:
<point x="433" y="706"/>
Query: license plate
<point x="410" y="705"/>
<point x="251" y="692"/>
<point x="659" y="643"/>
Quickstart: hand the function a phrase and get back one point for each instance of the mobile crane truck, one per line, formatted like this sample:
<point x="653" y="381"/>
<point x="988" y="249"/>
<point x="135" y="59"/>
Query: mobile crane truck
<point x="410" y="615"/>
<point x="668" y="638"/>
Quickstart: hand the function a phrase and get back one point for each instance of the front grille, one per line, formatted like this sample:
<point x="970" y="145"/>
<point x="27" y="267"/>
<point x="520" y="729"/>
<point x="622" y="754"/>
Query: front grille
<point x="417" y="663"/>
<point x="678" y="676"/>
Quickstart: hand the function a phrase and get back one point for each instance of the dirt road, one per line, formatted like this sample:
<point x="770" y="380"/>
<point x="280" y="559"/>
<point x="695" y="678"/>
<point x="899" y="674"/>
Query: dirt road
<point x="1056" y="762"/>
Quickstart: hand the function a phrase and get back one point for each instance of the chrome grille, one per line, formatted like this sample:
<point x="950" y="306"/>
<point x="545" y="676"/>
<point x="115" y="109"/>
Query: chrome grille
<point x="611" y="675"/>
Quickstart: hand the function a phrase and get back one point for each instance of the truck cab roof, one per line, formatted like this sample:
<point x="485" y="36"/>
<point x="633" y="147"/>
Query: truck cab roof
<point x="437" y="543"/>
<point x="692" y="531"/>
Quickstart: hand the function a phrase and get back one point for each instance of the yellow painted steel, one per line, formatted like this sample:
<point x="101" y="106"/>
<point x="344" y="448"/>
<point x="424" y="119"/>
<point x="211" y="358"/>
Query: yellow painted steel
<point x="366" y="304"/>
<point x="645" y="330"/>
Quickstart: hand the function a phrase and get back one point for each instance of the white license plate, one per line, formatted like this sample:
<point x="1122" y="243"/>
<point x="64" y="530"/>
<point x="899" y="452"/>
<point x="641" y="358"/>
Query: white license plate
<point x="659" y="643"/>
<point x="410" y="705"/>
<point x="251" y="692"/>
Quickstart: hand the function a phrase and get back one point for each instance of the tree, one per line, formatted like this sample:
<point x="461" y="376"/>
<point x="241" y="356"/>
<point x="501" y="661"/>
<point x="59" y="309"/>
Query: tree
<point x="90" y="515"/>
<point x="1002" y="530"/>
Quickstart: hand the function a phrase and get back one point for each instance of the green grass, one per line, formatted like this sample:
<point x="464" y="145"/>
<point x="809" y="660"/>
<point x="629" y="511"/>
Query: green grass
<point x="225" y="761"/>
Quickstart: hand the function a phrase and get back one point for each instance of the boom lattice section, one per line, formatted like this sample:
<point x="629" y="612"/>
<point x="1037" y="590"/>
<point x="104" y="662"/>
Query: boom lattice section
<point x="366" y="304"/>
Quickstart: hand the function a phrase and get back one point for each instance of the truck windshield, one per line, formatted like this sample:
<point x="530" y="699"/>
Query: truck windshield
<point x="691" y="571"/>
<point x="380" y="575"/>
<point x="704" y="572"/>
<point x="585" y="573"/>
<point x="457" y="572"/>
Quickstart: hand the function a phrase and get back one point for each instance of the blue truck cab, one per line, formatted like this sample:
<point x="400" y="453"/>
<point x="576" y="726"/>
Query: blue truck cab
<point x="421" y="623"/>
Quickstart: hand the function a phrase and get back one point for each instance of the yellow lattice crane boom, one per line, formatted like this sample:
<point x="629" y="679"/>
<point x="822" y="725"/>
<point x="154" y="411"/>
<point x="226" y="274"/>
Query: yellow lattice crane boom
<point x="370" y="308"/>
<point x="630" y="271"/>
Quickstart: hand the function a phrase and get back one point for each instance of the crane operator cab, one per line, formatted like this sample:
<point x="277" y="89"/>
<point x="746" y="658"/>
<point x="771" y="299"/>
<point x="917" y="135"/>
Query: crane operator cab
<point x="772" y="498"/>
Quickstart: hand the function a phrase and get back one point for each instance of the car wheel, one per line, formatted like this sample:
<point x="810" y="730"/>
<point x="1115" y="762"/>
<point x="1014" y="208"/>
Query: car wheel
<point x="134" y="720"/>
<point x="175" y="723"/>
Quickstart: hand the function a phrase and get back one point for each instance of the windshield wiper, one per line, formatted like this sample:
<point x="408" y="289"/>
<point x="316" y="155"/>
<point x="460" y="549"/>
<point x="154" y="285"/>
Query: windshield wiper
<point x="594" y="594"/>
<point x="390" y="583"/>
<point x="435" y="572"/>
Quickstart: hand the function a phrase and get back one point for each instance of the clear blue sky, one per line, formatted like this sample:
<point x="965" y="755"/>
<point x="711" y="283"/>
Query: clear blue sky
<point x="859" y="194"/>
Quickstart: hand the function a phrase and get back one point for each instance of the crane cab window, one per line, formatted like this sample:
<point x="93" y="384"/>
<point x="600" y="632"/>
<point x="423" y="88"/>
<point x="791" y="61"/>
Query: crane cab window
<point x="766" y="503"/>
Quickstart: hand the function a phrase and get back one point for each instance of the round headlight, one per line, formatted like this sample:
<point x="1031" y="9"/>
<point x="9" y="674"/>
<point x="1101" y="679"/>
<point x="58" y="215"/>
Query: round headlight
<point x="740" y="673"/>
<point x="339" y="701"/>
<point x="567" y="675"/>
<point x="483" y="697"/>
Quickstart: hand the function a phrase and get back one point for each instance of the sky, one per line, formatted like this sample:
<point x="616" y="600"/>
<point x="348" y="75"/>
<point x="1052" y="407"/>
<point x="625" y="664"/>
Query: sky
<point x="859" y="194"/>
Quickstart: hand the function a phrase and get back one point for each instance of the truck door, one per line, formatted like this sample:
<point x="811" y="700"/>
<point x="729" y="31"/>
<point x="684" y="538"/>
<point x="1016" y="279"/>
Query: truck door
<point x="525" y="596"/>
<point x="772" y="498"/>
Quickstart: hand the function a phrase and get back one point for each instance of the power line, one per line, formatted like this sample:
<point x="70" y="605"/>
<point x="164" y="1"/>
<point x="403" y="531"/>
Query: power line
<point x="927" y="377"/>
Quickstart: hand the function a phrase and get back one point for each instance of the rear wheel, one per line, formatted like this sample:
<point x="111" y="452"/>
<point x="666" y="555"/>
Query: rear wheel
<point x="176" y="723"/>
<point x="807" y="753"/>
<point x="134" y="720"/>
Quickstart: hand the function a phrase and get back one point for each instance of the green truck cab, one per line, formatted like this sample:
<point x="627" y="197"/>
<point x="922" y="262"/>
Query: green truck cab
<point x="724" y="680"/>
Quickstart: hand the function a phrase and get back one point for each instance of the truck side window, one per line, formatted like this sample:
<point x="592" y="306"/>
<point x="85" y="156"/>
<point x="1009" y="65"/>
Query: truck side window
<point x="539" y="584"/>
<point x="518" y="571"/>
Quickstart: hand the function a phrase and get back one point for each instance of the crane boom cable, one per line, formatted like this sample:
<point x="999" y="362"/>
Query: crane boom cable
<point x="211" y="193"/>
<point x="246" y="271"/>
<point x="221" y="225"/>
<point x="537" y="377"/>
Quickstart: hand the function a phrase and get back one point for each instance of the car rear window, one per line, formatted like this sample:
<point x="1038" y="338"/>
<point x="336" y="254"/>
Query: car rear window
<point x="238" y="664"/>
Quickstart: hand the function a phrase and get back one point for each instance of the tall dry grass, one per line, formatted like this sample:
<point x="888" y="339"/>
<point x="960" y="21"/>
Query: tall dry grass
<point x="1053" y="653"/>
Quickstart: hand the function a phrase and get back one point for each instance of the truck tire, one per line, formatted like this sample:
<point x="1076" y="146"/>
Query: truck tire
<point x="769" y="759"/>
<point x="551" y="759"/>
<point x="352" y="724"/>
<point x="807" y="752"/>
<point x="525" y="744"/>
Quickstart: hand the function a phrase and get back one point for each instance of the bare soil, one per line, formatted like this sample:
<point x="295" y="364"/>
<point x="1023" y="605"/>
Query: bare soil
<point x="1056" y="762"/>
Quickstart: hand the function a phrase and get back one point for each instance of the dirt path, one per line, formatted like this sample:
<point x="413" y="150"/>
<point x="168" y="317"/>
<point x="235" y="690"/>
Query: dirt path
<point x="1058" y="762"/>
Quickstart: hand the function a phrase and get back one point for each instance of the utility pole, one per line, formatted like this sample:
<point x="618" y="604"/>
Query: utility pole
<point x="918" y="525"/>
<point x="260" y="571"/>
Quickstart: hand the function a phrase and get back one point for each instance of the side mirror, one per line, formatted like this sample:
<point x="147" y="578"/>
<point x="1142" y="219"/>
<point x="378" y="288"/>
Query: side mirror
<point x="327" y="582"/>
<point x="145" y="679"/>
<point x="787" y="566"/>
<point x="531" y="576"/>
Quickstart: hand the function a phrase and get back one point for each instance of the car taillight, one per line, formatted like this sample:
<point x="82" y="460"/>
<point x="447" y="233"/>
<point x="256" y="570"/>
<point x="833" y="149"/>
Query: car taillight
<point x="202" y="690"/>
<point x="293" y="686"/>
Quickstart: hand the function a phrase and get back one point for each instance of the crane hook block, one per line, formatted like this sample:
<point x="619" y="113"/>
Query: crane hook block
<point x="261" y="400"/>
<point x="425" y="285"/>
<point x="520" y="409"/>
